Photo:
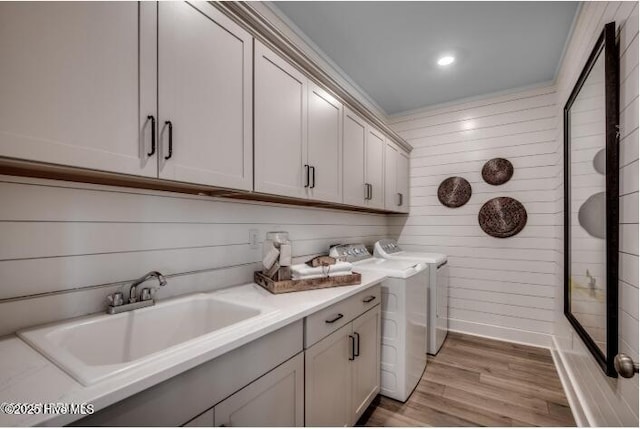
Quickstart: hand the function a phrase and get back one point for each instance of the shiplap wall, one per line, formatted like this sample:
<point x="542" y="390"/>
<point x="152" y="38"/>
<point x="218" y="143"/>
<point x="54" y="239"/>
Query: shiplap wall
<point x="600" y="400"/>
<point x="83" y="241"/>
<point x="502" y="288"/>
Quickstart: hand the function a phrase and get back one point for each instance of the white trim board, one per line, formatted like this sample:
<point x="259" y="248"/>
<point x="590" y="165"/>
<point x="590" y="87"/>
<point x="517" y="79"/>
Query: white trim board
<point x="576" y="405"/>
<point x="499" y="333"/>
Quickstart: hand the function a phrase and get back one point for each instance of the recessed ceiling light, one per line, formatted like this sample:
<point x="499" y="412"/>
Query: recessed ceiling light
<point x="446" y="60"/>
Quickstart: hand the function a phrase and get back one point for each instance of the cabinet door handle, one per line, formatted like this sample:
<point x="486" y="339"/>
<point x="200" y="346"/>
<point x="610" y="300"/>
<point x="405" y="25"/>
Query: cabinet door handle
<point x="313" y="176"/>
<point x="368" y="299"/>
<point x="370" y="191"/>
<point x="356" y="350"/>
<point x="153" y="134"/>
<point x="170" y="125"/>
<point x="399" y="199"/>
<point x="335" y="319"/>
<point x="367" y="191"/>
<point x="306" y="172"/>
<point x="352" y="351"/>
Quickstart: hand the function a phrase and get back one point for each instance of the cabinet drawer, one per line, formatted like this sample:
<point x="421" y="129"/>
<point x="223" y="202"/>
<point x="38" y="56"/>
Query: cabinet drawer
<point x="328" y="320"/>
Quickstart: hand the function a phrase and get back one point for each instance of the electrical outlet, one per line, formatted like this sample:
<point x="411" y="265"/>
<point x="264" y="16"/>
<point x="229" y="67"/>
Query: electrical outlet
<point x="253" y="238"/>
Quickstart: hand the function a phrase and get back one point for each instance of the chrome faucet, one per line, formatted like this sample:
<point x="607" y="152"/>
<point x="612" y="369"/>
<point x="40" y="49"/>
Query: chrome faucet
<point x="116" y="300"/>
<point x="133" y="290"/>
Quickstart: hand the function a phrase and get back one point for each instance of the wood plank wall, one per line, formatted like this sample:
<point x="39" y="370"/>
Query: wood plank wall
<point x="605" y="401"/>
<point x="503" y="288"/>
<point x="82" y="242"/>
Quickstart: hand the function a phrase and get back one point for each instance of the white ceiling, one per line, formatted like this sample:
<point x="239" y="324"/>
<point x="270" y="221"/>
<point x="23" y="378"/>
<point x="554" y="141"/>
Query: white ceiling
<point x="390" y="49"/>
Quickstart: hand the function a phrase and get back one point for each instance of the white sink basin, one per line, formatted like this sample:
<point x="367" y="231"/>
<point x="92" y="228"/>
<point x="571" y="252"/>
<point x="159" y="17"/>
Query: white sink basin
<point x="93" y="348"/>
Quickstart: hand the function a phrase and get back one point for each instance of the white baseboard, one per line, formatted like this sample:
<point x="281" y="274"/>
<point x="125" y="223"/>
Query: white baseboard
<point x="570" y="389"/>
<point x="528" y="338"/>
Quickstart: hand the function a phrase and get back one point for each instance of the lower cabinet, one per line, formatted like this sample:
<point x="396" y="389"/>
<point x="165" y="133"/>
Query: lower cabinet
<point x="342" y="372"/>
<point x="328" y="381"/>
<point x="323" y="371"/>
<point x="366" y="364"/>
<point x="275" y="399"/>
<point x="249" y="376"/>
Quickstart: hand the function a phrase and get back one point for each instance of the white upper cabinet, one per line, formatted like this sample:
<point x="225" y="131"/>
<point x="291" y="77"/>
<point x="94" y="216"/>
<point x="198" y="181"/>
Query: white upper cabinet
<point x="374" y="168"/>
<point x="179" y="91"/>
<point x="363" y="163"/>
<point x="280" y="125"/>
<point x="69" y="87"/>
<point x="204" y="96"/>
<point x="396" y="172"/>
<point x="324" y="152"/>
<point x="402" y="180"/>
<point x="354" y="143"/>
<point x="391" y="199"/>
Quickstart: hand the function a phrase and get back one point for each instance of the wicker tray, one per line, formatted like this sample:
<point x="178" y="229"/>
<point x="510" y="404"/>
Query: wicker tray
<point x="300" y="285"/>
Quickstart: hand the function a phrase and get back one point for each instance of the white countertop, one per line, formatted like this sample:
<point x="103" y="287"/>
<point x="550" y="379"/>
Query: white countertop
<point x="27" y="376"/>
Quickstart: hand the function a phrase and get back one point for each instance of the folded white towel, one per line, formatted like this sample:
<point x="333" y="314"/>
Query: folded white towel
<point x="305" y="270"/>
<point x="320" y="276"/>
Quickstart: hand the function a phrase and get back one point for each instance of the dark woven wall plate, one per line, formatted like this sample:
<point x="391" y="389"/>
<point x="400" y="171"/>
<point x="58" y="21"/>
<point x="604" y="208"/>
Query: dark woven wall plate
<point x="454" y="192"/>
<point x="497" y="171"/>
<point x="502" y="217"/>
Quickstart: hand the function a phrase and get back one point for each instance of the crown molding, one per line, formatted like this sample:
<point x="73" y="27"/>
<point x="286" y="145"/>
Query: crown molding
<point x="246" y="15"/>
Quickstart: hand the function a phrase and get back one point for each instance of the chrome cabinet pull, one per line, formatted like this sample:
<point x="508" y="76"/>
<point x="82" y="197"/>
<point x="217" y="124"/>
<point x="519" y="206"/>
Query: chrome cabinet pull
<point x="399" y="199"/>
<point x="368" y="191"/>
<point x="368" y="299"/>
<point x="153" y="134"/>
<point x="335" y="319"/>
<point x="170" y="125"/>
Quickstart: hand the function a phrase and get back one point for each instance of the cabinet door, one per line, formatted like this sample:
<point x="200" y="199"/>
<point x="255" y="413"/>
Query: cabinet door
<point x="328" y="381"/>
<point x="366" y="366"/>
<point x="69" y="86"/>
<point x="402" y="180"/>
<point x="374" y="168"/>
<point x="391" y="199"/>
<point x="204" y="90"/>
<point x="353" y="143"/>
<point x="275" y="399"/>
<point x="324" y="145"/>
<point x="280" y="125"/>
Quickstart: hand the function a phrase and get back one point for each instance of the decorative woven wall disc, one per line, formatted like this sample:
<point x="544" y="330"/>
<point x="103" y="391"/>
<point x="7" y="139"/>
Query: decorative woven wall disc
<point x="497" y="171"/>
<point x="454" y="192"/>
<point x="502" y="217"/>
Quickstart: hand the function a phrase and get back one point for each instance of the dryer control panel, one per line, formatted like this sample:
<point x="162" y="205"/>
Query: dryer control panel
<point x="385" y="248"/>
<point x="350" y="252"/>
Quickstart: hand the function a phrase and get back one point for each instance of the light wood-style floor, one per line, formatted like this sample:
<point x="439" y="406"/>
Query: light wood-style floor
<point x="475" y="381"/>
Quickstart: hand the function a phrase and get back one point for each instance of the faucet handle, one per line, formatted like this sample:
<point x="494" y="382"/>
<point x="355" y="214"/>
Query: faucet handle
<point x="116" y="299"/>
<point x="145" y="294"/>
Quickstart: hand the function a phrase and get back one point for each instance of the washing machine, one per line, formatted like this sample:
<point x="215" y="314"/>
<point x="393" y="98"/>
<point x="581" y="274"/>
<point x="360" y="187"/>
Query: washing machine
<point x="404" y="317"/>
<point x="438" y="312"/>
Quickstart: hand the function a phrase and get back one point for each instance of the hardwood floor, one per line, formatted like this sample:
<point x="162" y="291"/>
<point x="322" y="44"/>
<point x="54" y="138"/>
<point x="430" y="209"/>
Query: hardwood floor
<point x="475" y="381"/>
